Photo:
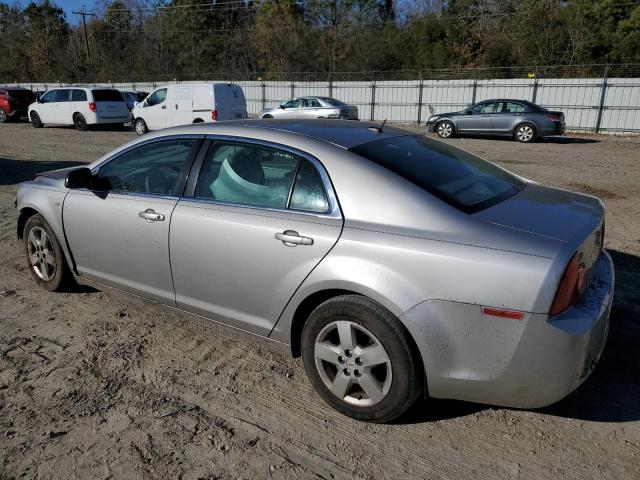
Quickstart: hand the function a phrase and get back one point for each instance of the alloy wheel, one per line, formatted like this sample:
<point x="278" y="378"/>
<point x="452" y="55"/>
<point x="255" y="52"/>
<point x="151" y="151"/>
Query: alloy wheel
<point x="140" y="128"/>
<point x="352" y="363"/>
<point x="445" y="129"/>
<point x="524" y="133"/>
<point x="41" y="254"/>
<point x="3" y="116"/>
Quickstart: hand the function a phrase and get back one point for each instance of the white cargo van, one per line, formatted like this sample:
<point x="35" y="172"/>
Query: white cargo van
<point x="186" y="103"/>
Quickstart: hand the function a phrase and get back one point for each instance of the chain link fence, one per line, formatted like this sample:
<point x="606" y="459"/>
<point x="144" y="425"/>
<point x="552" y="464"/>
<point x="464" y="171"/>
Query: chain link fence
<point x="597" y="101"/>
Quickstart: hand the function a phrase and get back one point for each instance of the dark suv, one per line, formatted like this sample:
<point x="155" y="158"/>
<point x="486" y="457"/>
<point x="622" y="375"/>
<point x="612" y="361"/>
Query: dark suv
<point x="14" y="103"/>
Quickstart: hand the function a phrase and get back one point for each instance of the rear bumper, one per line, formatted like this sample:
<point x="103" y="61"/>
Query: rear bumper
<point x="17" y="113"/>
<point x="523" y="364"/>
<point x="95" y="119"/>
<point x="556" y="128"/>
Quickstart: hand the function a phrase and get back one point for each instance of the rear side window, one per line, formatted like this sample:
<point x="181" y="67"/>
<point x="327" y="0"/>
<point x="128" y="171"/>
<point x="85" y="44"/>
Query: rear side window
<point x="308" y="192"/>
<point x="247" y="174"/>
<point x="512" y="107"/>
<point x="78" y="96"/>
<point x="459" y="178"/>
<point x="333" y="102"/>
<point x="107" y="96"/>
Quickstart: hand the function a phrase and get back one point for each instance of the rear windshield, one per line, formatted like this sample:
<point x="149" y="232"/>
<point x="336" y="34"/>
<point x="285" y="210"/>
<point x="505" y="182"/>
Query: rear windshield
<point x="459" y="178"/>
<point x="333" y="101"/>
<point x="107" y="96"/>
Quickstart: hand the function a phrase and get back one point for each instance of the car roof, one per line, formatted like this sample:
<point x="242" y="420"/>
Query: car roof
<point x="343" y="133"/>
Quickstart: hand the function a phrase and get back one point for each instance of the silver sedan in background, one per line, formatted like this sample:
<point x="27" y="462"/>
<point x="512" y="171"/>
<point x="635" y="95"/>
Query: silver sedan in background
<point x="396" y="265"/>
<point x="312" y="107"/>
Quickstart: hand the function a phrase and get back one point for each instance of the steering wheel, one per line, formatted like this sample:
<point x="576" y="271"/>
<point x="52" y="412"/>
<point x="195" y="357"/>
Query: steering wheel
<point x="161" y="180"/>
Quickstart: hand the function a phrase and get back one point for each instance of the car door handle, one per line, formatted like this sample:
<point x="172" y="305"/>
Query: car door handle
<point x="151" y="216"/>
<point x="291" y="238"/>
<point x="164" y="107"/>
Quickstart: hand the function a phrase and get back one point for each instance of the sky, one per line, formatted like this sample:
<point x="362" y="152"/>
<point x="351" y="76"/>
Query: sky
<point x="67" y="5"/>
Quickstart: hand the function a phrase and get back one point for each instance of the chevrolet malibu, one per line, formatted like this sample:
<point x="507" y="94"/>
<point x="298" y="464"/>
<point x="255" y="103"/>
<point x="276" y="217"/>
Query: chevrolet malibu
<point x="395" y="265"/>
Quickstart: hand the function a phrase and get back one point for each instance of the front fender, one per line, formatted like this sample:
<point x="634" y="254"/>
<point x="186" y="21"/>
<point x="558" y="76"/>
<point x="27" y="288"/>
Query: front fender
<point x="48" y="202"/>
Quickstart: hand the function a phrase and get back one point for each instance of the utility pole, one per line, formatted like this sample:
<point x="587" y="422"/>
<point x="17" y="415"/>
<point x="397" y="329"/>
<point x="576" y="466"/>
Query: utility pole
<point x="84" y="24"/>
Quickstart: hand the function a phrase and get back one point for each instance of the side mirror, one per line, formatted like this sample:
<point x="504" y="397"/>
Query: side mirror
<point x="468" y="111"/>
<point x="79" y="178"/>
<point x="282" y="107"/>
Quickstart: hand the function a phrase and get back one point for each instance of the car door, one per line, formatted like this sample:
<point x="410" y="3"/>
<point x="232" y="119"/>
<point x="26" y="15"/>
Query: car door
<point x="63" y="107"/>
<point x="244" y="237"/>
<point x="477" y="119"/>
<point x="506" y="116"/>
<point x="155" y="109"/>
<point x="311" y="108"/>
<point x="46" y="108"/>
<point x="118" y="232"/>
<point x="291" y="108"/>
<point x="79" y="102"/>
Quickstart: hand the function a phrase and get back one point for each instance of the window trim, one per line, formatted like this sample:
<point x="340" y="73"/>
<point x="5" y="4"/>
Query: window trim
<point x="333" y="211"/>
<point x="197" y="147"/>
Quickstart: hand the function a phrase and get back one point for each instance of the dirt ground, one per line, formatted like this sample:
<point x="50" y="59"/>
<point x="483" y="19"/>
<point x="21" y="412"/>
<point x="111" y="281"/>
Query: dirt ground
<point x="96" y="384"/>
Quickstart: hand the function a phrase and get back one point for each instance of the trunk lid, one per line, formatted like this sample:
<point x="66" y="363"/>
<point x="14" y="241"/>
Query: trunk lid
<point x="548" y="212"/>
<point x="110" y="104"/>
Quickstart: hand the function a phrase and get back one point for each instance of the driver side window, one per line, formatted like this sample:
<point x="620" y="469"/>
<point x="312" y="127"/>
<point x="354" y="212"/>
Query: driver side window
<point x="158" y="168"/>
<point x="295" y="103"/>
<point x="157" y="97"/>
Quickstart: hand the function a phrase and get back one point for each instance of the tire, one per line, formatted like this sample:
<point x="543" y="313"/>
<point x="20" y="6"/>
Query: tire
<point x="267" y="116"/>
<point x="140" y="126"/>
<point x="525" y="133"/>
<point x="445" y="129"/>
<point x="80" y="123"/>
<point x="44" y="255"/>
<point x="35" y="120"/>
<point x="198" y="120"/>
<point x="3" y="116"/>
<point x="379" y="392"/>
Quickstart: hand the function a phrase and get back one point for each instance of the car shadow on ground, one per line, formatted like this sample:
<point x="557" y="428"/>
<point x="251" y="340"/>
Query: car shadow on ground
<point x="16" y="171"/>
<point x="611" y="393"/>
<point x="562" y="140"/>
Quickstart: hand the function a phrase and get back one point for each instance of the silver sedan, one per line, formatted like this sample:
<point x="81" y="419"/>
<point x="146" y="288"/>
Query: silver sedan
<point x="310" y="108"/>
<point x="394" y="264"/>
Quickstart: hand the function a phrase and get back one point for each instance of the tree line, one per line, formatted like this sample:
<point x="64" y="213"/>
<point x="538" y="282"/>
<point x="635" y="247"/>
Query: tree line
<point x="138" y="40"/>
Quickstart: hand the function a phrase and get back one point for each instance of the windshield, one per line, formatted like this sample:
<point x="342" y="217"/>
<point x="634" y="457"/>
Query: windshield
<point x="459" y="178"/>
<point x="333" y="101"/>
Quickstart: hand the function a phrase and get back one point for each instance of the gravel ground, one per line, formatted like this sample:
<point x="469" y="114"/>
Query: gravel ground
<point x="96" y="384"/>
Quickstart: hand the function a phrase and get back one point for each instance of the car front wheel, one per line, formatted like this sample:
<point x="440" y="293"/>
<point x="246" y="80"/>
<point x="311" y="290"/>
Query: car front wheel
<point x="44" y="255"/>
<point x="360" y="359"/>
<point x="445" y="129"/>
<point x="140" y="126"/>
<point x="35" y="120"/>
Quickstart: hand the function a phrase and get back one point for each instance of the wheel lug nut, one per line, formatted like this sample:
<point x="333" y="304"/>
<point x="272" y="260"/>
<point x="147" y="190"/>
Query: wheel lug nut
<point x="347" y="353"/>
<point x="340" y="359"/>
<point x="345" y="371"/>
<point x="356" y="373"/>
<point x="358" y="361"/>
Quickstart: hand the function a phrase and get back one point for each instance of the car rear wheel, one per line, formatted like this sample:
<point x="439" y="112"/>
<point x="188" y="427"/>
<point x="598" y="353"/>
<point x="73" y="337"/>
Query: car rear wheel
<point x="35" y="120"/>
<point x="140" y="126"/>
<point x="445" y="129"/>
<point x="3" y="116"/>
<point x="525" y="133"/>
<point x="44" y="255"/>
<point x="267" y="116"/>
<point x="360" y="359"/>
<point x="80" y="123"/>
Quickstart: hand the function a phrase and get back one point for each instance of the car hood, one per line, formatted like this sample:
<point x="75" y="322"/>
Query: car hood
<point x="551" y="214"/>
<point x="448" y="114"/>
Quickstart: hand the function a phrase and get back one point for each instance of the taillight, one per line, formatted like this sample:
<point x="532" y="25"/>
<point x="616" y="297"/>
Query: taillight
<point x="92" y="106"/>
<point x="570" y="288"/>
<point x="214" y="115"/>
<point x="553" y="118"/>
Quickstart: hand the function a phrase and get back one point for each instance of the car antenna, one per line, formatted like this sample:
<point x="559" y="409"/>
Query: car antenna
<point x="379" y="129"/>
